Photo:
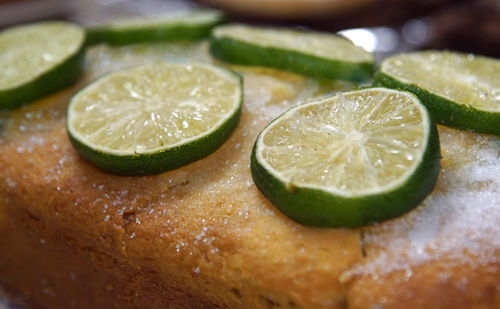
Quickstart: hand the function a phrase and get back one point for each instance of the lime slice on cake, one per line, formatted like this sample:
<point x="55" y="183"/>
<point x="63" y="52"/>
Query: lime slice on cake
<point x="461" y="91"/>
<point x="348" y="160"/>
<point x="156" y="117"/>
<point x="38" y="59"/>
<point x="314" y="54"/>
<point x="183" y="26"/>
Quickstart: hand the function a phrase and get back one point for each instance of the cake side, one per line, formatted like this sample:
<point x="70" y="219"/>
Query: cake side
<point x="446" y="253"/>
<point x="202" y="235"/>
<point x="52" y="269"/>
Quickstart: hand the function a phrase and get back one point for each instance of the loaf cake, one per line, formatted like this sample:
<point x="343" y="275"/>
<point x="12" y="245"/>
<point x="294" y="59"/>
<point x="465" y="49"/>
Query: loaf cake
<point x="203" y="236"/>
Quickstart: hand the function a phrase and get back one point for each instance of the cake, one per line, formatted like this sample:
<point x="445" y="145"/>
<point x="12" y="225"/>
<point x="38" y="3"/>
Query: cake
<point x="203" y="236"/>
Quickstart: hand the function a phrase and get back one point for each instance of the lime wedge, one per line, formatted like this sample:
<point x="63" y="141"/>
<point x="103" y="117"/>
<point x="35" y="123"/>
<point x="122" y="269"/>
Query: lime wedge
<point x="461" y="91"/>
<point x="348" y="160"/>
<point x="184" y="26"/>
<point x="38" y="59"/>
<point x="313" y="54"/>
<point x="156" y="117"/>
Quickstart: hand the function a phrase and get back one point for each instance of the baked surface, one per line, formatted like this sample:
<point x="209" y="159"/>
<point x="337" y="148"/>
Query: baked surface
<point x="203" y="236"/>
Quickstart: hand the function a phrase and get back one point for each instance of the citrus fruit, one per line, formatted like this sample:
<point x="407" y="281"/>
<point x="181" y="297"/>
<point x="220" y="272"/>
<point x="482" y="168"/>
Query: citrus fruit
<point x="314" y="54"/>
<point x="38" y="59"/>
<point x="461" y="91"/>
<point x="155" y="117"/>
<point x="348" y="160"/>
<point x="183" y="26"/>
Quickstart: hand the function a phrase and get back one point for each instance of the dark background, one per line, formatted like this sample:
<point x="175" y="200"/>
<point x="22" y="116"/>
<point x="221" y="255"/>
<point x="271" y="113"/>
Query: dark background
<point x="398" y="25"/>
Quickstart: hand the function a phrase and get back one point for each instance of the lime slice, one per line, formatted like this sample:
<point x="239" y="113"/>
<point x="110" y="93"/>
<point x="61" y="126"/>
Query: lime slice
<point x="184" y="26"/>
<point x="38" y="59"/>
<point x="313" y="54"/>
<point x="348" y="160"/>
<point x="461" y="91"/>
<point x="156" y="117"/>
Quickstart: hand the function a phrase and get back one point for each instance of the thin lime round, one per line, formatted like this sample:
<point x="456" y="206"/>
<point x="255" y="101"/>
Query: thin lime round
<point x="183" y="26"/>
<point x="348" y="160"/>
<point x="461" y="91"/>
<point x="155" y="117"/>
<point x="314" y="54"/>
<point x="38" y="59"/>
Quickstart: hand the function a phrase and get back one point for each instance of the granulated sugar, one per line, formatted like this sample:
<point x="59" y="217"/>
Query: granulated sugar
<point x="459" y="221"/>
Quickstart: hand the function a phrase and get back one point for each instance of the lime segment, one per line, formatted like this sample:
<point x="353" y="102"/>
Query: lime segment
<point x="313" y="54"/>
<point x="38" y="59"/>
<point x="183" y="26"/>
<point x="348" y="160"/>
<point x="461" y="91"/>
<point x="155" y="117"/>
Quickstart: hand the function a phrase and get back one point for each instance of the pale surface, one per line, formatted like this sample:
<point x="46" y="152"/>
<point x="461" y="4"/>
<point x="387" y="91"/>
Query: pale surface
<point x="464" y="79"/>
<point x="26" y="52"/>
<point x="322" y="45"/>
<point x="356" y="143"/>
<point x="153" y="107"/>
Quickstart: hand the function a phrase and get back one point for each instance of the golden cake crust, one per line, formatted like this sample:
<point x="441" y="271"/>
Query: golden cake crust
<point x="204" y="229"/>
<point x="203" y="236"/>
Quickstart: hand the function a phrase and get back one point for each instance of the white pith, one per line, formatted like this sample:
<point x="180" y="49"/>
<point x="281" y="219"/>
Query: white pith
<point x="155" y="110"/>
<point x="289" y="177"/>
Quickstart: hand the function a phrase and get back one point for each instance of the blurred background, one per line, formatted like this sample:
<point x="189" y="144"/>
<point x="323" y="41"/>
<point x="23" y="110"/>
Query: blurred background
<point x="381" y="26"/>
